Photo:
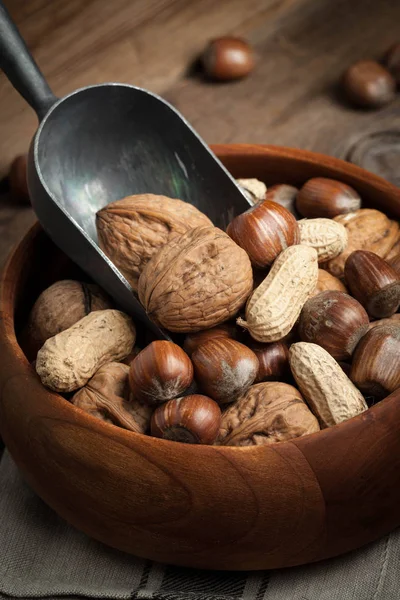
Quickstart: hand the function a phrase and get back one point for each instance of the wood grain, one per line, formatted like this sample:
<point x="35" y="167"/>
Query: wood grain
<point x="291" y="98"/>
<point x="208" y="507"/>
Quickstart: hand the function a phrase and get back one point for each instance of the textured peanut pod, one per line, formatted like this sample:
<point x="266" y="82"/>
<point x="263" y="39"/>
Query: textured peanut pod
<point x="253" y="189"/>
<point x="325" y="235"/>
<point x="331" y="395"/>
<point x="274" y="307"/>
<point x="367" y="229"/>
<point x="106" y="396"/>
<point x="68" y="360"/>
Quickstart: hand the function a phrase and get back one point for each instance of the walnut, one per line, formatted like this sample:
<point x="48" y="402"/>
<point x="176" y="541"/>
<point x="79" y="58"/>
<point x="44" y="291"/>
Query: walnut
<point x="107" y="397"/>
<point x="131" y="230"/>
<point x="268" y="413"/>
<point x="59" y="307"/>
<point x="196" y="281"/>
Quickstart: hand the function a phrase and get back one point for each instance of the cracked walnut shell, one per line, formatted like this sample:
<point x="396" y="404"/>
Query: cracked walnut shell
<point x="196" y="281"/>
<point x="268" y="413"/>
<point x="107" y="397"/>
<point x="131" y="230"/>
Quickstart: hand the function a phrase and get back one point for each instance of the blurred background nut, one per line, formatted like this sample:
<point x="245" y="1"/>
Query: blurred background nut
<point x="107" y="397"/>
<point x="368" y="84"/>
<point x="59" y="307"/>
<point x="228" y="58"/>
<point x="194" y="419"/>
<point x="326" y="281"/>
<point x="376" y="362"/>
<point x="194" y="340"/>
<point x="196" y="281"/>
<point x="285" y="195"/>
<point x="131" y="230"/>
<point x="373" y="282"/>
<point x="160" y="372"/>
<point x="224" y="369"/>
<point x="392" y="61"/>
<point x="269" y="412"/>
<point x="335" y="321"/>
<point x="253" y="189"/>
<point x="326" y="198"/>
<point x="264" y="231"/>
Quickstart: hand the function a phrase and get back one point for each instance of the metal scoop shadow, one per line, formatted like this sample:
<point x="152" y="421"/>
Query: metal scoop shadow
<point x="100" y="144"/>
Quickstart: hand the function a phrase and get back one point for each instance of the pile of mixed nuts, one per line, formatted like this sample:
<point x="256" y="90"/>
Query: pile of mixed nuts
<point x="286" y="323"/>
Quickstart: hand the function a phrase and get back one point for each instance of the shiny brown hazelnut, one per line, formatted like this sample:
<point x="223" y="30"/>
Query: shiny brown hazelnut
<point x="326" y="281"/>
<point x="194" y="340"/>
<point x="264" y="231"/>
<point x="160" y="372"/>
<point x="373" y="282"/>
<point x="192" y="420"/>
<point x="224" y="369"/>
<point x="322" y="197"/>
<point x="368" y="84"/>
<point x="376" y="362"/>
<point x="392" y="61"/>
<point x="228" y="58"/>
<point x="285" y="195"/>
<point x="389" y="321"/>
<point x="273" y="361"/>
<point x="335" y="321"/>
<point x="18" y="179"/>
<point x="394" y="262"/>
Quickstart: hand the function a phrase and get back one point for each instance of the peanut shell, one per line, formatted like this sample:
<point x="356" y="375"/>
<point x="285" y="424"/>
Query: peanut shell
<point x="325" y="235"/>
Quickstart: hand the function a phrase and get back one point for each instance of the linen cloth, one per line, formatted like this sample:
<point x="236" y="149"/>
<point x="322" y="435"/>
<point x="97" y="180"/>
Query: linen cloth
<point x="43" y="557"/>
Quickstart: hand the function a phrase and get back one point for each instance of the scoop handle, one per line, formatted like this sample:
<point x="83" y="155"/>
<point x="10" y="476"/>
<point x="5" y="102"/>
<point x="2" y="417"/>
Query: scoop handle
<point x="19" y="66"/>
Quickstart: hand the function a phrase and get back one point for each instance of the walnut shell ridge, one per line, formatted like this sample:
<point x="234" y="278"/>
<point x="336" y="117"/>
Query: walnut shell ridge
<point x="267" y="413"/>
<point x="196" y="281"/>
<point x="131" y="230"/>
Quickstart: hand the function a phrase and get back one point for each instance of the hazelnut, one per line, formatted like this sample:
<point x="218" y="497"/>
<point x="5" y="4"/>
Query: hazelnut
<point x="392" y="61"/>
<point x="389" y="321"/>
<point x="228" y="58"/>
<point x="394" y="262"/>
<point x="192" y="420"/>
<point x="373" y="282"/>
<point x="322" y="197"/>
<point x="160" y="372"/>
<point x="264" y="231"/>
<point x="335" y="321"/>
<point x="18" y="179"/>
<point x="194" y="340"/>
<point x="273" y="361"/>
<point x="326" y="281"/>
<point x="285" y="195"/>
<point x="376" y="365"/>
<point x="224" y="369"/>
<point x="369" y="85"/>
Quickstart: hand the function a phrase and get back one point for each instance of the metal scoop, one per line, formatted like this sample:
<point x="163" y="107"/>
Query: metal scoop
<point x="100" y="144"/>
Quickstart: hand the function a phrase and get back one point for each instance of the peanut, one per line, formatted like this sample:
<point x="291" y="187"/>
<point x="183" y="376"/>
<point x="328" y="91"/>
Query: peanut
<point x="68" y="360"/>
<point x="274" y="307"/>
<point x="325" y="235"/>
<point x="331" y="395"/>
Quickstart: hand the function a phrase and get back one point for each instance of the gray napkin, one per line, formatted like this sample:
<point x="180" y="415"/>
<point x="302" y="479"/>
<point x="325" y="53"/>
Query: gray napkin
<point x="43" y="557"/>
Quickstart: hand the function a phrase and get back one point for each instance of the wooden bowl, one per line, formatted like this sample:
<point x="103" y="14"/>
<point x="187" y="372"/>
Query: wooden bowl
<point x="208" y="507"/>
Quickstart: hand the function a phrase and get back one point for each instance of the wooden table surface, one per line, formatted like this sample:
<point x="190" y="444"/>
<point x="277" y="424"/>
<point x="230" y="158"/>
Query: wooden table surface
<point x="290" y="99"/>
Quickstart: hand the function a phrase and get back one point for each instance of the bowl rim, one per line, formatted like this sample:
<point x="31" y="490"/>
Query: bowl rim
<point x="22" y="367"/>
